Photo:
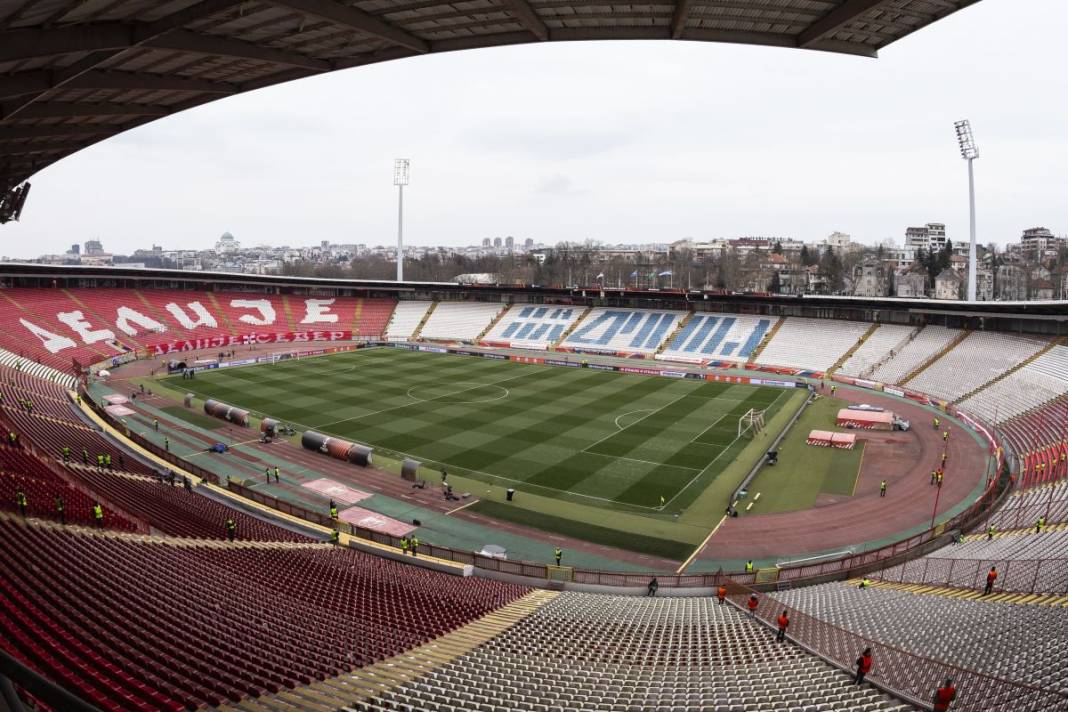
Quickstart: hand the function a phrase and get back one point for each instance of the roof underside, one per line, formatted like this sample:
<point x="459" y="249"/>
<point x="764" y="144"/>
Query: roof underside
<point x="74" y="72"/>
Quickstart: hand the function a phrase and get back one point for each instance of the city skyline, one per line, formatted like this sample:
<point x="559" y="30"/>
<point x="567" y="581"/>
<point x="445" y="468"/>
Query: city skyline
<point x="623" y="142"/>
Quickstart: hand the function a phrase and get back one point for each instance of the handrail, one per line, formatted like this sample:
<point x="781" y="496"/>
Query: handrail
<point x="40" y="687"/>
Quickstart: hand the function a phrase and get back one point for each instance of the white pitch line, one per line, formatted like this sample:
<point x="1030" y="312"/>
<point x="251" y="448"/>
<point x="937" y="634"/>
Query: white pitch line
<point x="644" y="417"/>
<point x="695" y="477"/>
<point x="629" y="412"/>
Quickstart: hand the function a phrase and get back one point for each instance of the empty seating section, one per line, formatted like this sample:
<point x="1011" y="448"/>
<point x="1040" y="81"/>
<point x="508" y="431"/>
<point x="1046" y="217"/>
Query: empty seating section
<point x="21" y="471"/>
<point x="11" y="363"/>
<point x="462" y="321"/>
<point x="1038" y="382"/>
<point x="887" y="338"/>
<point x="373" y="317"/>
<point x="534" y="324"/>
<point x="173" y="510"/>
<point x="1020" y="643"/>
<point x="587" y="652"/>
<point x="51" y="435"/>
<point x="1038" y="437"/>
<point x="978" y="359"/>
<point x="811" y="343"/>
<point x="130" y="624"/>
<point x="1024" y="507"/>
<point x="624" y="330"/>
<point x="925" y="345"/>
<point x="39" y="308"/>
<point x="406" y="319"/>
<point x="718" y="337"/>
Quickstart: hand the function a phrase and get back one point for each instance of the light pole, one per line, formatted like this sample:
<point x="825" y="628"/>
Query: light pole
<point x="969" y="152"/>
<point x="400" y="179"/>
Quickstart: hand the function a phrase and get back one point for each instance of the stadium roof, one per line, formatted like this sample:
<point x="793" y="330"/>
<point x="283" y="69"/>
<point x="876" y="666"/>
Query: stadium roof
<point x="74" y="72"/>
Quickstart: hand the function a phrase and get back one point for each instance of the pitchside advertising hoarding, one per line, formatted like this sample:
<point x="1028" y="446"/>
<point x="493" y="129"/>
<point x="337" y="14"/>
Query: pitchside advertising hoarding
<point x="219" y="342"/>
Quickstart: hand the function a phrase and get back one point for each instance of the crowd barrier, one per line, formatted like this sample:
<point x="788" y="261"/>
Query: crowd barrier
<point x="911" y="676"/>
<point x="1039" y="576"/>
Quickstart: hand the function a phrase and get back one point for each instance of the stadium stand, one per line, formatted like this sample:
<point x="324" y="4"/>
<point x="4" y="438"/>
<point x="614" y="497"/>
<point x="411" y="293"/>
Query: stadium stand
<point x="1036" y="383"/>
<point x="1013" y="642"/>
<point x="887" y="339"/>
<point x="406" y="319"/>
<point x="16" y="364"/>
<point x="811" y="343"/>
<point x="718" y="337"/>
<point x="526" y="324"/>
<point x="981" y="357"/>
<point x="173" y="510"/>
<point x="924" y="345"/>
<point x="177" y="624"/>
<point x="595" y="652"/>
<point x="462" y="321"/>
<point x="623" y="330"/>
<point x="22" y="472"/>
<point x="1039" y="440"/>
<point x="372" y="317"/>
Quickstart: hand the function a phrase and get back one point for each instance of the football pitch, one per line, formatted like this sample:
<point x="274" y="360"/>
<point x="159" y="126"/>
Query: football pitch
<point x="638" y="443"/>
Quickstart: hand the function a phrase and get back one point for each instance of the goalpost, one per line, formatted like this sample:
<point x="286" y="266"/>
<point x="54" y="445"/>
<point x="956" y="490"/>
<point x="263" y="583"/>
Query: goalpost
<point x="751" y="423"/>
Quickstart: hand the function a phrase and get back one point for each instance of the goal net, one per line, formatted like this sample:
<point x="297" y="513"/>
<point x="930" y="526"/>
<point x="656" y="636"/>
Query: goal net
<point x="750" y="424"/>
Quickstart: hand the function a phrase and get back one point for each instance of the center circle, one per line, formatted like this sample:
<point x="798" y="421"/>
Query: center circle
<point x="458" y="393"/>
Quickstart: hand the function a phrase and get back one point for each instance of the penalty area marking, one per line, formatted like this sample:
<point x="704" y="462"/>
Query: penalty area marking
<point x="632" y="412"/>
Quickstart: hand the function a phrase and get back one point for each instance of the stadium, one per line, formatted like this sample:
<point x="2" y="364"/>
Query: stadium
<point x="246" y="492"/>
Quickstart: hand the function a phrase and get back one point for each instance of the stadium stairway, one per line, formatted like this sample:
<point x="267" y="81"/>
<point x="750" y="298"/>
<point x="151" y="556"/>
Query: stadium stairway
<point x="1055" y="527"/>
<point x="345" y="691"/>
<point x="846" y="356"/>
<point x="422" y="322"/>
<point x="867" y="373"/>
<point x="220" y="313"/>
<point x="356" y="312"/>
<point x="674" y="332"/>
<point x="287" y="310"/>
<point x="931" y="361"/>
<point x="1005" y="374"/>
<point x="492" y="324"/>
<point x="971" y="594"/>
<point x="567" y="332"/>
<point x="765" y="341"/>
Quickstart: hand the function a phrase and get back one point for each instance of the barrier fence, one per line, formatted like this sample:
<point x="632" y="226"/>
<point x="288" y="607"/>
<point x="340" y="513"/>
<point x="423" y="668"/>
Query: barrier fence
<point x="1043" y="576"/>
<point x="912" y="676"/>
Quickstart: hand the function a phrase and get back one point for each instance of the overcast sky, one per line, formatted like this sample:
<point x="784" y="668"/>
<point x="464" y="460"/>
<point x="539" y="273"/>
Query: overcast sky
<point x="615" y="141"/>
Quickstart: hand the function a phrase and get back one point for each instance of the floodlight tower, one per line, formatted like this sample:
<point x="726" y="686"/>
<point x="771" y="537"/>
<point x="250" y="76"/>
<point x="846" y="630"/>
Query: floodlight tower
<point x="969" y="152"/>
<point x="400" y="179"/>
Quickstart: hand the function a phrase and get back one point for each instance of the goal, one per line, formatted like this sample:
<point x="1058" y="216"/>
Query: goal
<point x="752" y="423"/>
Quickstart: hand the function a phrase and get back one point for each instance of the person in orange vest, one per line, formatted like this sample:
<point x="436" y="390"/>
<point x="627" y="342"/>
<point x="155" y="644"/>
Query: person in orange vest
<point x="863" y="665"/>
<point x="991" y="577"/>
<point x="784" y="623"/>
<point x="751" y="604"/>
<point x="944" y="695"/>
<point x="721" y="594"/>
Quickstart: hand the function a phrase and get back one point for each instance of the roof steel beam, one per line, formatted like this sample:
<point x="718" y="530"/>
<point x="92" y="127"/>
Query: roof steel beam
<point x="678" y="20"/>
<point x="836" y="19"/>
<point x="16" y="85"/>
<point x="355" y="19"/>
<point x="94" y="39"/>
<point x="13" y="133"/>
<point x="70" y="109"/>
<point x="528" y="18"/>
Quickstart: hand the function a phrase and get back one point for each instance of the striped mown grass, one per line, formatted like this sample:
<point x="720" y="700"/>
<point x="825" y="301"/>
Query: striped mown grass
<point x="597" y="437"/>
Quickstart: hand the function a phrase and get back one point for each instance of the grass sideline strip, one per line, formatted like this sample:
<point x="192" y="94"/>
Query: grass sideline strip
<point x="663" y="548"/>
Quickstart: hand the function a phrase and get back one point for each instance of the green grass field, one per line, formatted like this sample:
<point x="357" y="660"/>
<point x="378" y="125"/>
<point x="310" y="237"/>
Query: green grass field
<point x="805" y="471"/>
<point x="594" y="437"/>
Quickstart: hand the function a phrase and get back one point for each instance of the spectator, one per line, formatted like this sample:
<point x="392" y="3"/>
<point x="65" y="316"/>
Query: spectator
<point x="751" y="605"/>
<point x="944" y="695"/>
<point x="863" y="665"/>
<point x="991" y="577"/>
<point x="784" y="623"/>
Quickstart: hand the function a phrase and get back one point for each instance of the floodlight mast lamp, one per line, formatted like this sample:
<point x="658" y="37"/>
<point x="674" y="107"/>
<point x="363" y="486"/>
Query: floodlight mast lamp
<point x="969" y="152"/>
<point x="400" y="179"/>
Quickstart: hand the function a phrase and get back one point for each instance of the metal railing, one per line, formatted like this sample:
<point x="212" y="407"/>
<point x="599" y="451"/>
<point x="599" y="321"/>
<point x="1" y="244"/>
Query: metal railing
<point x="913" y="677"/>
<point x="1043" y="576"/>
